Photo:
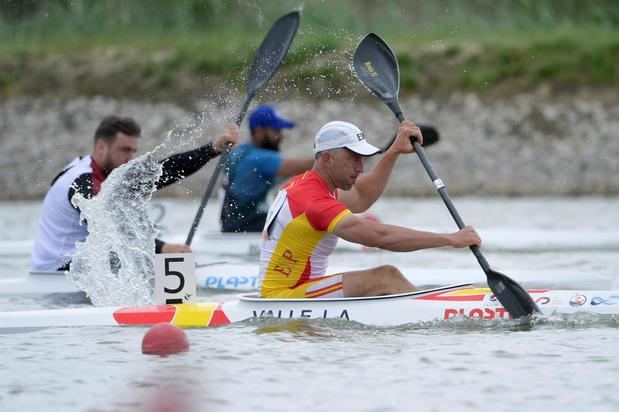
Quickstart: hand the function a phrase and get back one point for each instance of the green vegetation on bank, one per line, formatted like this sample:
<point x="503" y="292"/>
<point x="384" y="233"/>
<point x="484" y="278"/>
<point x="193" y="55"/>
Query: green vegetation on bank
<point x="175" y="49"/>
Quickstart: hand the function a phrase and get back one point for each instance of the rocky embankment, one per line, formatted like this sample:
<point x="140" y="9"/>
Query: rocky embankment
<point x="529" y="144"/>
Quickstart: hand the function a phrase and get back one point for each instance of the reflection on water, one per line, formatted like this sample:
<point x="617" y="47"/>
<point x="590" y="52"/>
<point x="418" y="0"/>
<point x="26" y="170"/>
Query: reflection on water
<point x="268" y="364"/>
<point x="325" y="328"/>
<point x="297" y="327"/>
<point x="558" y="363"/>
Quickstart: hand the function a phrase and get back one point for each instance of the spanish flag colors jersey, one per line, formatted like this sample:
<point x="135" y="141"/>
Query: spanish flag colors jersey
<point x="299" y="239"/>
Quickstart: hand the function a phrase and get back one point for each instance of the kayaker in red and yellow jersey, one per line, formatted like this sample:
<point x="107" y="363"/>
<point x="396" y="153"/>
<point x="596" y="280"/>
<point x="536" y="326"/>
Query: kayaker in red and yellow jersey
<point x="314" y="209"/>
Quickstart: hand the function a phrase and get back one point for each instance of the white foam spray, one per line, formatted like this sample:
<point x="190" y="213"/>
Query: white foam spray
<point x="114" y="266"/>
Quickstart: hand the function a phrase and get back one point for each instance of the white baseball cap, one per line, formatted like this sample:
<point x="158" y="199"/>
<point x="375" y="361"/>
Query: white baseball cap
<point x="336" y="134"/>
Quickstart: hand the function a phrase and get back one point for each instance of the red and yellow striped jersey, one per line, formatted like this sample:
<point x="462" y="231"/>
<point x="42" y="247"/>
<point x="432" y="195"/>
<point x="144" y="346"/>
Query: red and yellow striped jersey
<point x="298" y="236"/>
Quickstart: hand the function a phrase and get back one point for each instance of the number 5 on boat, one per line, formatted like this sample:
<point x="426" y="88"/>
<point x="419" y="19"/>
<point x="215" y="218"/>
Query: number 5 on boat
<point x="175" y="278"/>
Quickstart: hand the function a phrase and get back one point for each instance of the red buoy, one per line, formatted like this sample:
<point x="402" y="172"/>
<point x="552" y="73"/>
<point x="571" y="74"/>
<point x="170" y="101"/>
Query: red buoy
<point x="164" y="339"/>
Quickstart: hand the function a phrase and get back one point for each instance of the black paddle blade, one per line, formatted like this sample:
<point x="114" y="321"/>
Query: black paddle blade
<point x="512" y="296"/>
<point x="272" y="51"/>
<point x="429" y="133"/>
<point x="266" y="62"/>
<point x="377" y="68"/>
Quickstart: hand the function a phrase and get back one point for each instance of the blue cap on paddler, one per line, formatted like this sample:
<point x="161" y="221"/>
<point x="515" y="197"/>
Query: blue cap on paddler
<point x="268" y="116"/>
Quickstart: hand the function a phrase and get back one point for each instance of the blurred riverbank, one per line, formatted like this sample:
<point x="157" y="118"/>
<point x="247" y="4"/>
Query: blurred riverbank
<point x="531" y="144"/>
<point x="178" y="51"/>
<point x="524" y="94"/>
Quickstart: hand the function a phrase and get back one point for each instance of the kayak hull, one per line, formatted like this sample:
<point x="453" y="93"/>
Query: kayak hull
<point x="424" y="306"/>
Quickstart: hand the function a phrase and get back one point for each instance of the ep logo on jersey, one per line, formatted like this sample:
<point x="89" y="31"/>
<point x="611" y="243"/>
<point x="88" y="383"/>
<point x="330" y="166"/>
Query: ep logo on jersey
<point x="175" y="278"/>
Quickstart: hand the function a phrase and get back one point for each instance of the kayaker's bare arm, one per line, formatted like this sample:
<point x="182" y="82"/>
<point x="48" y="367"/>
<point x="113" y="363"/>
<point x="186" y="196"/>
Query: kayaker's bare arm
<point x="370" y="186"/>
<point x="292" y="167"/>
<point x="400" y="239"/>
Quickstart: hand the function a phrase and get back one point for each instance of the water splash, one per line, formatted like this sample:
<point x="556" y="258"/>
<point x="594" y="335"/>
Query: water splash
<point x="114" y="266"/>
<point x="342" y="329"/>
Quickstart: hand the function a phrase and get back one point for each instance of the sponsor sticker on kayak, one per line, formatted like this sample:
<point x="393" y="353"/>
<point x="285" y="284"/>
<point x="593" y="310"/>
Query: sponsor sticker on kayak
<point x="480" y="313"/>
<point x="578" y="300"/>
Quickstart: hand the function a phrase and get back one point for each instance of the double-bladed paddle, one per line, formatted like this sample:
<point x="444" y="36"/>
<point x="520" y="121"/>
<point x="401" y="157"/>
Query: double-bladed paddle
<point x="377" y="68"/>
<point x="266" y="62"/>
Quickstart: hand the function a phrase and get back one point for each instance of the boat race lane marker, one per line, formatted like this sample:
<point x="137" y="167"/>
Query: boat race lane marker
<point x="175" y="278"/>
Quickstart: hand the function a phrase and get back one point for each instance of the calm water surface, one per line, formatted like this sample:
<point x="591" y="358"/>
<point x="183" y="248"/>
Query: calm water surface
<point x="569" y="363"/>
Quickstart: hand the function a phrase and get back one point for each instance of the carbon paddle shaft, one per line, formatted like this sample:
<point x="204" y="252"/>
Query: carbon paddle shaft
<point x="513" y="296"/>
<point x="442" y="191"/>
<point x="266" y="62"/>
<point x="223" y="160"/>
<point x="377" y="68"/>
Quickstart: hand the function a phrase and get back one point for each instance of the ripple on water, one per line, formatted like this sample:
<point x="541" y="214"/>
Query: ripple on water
<point x="556" y="363"/>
